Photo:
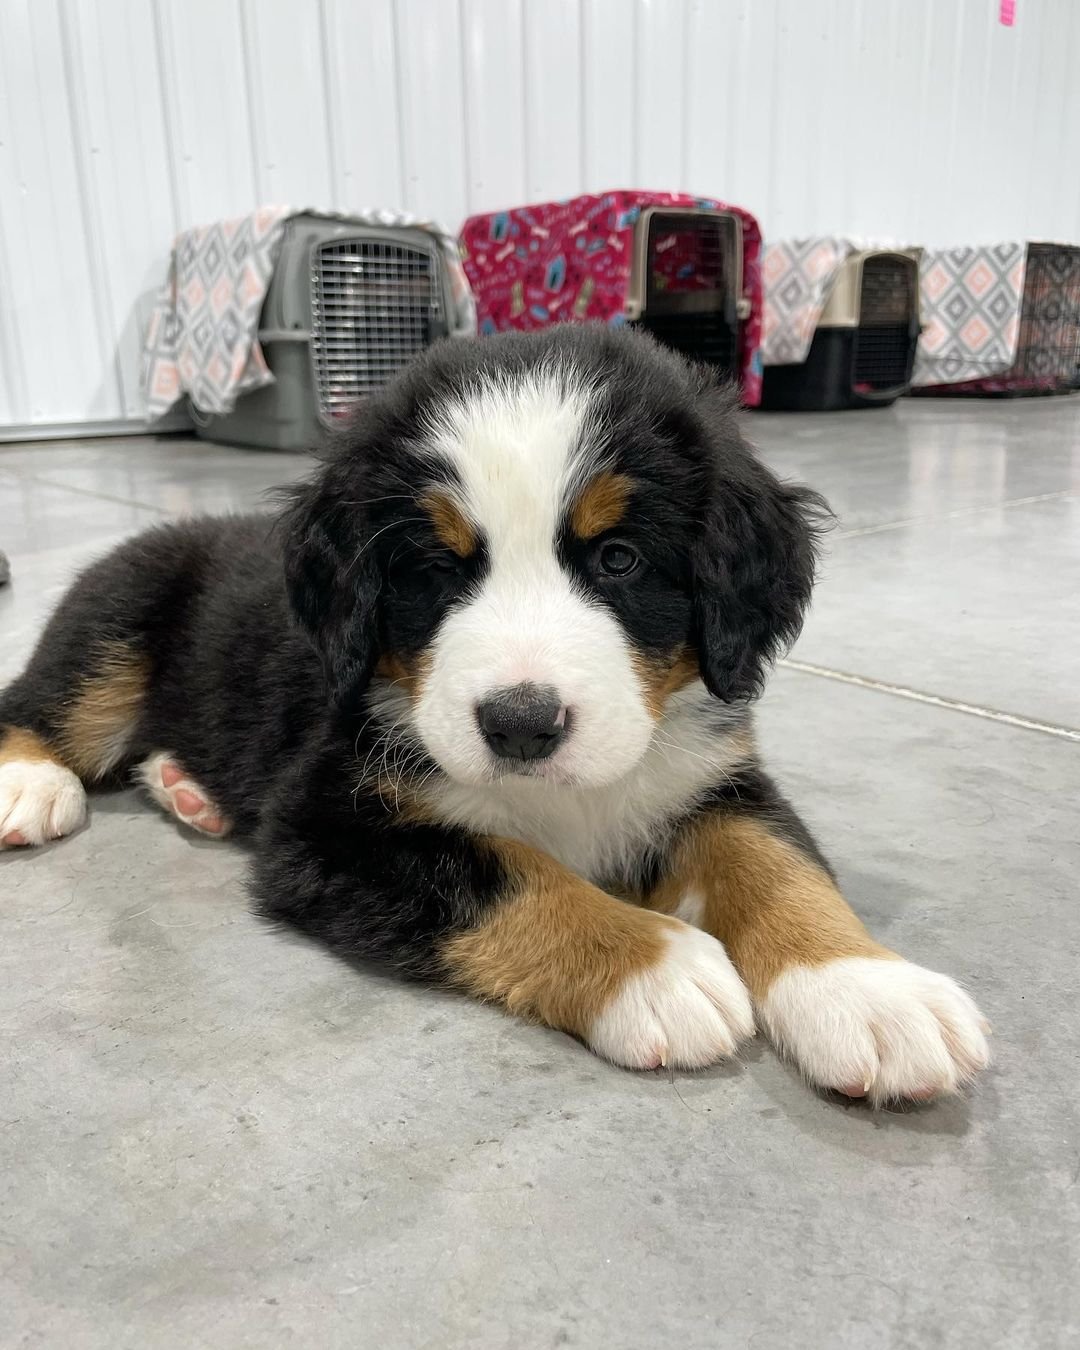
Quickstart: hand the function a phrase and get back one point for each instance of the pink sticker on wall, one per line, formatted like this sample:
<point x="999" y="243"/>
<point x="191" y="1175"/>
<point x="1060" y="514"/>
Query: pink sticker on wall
<point x="1007" y="12"/>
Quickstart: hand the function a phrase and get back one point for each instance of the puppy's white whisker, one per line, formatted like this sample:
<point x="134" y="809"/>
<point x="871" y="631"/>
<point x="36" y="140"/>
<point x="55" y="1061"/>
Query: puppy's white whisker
<point x="394" y="525"/>
<point x="372" y="501"/>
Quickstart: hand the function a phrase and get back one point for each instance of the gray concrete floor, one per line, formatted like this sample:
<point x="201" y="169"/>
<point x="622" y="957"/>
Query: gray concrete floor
<point x="215" y="1135"/>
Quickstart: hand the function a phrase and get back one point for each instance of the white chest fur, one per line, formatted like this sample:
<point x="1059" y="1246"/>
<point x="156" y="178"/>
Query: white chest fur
<point x="602" y="832"/>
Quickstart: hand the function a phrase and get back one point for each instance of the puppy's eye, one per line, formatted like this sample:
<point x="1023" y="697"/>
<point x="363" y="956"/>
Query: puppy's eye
<point x="618" y="560"/>
<point x="445" y="564"/>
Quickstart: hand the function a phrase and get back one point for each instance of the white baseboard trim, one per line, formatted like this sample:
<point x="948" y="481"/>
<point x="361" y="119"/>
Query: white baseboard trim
<point x="72" y="431"/>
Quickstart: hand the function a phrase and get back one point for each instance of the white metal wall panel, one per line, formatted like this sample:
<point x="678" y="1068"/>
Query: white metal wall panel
<point x="755" y="29"/>
<point x="363" y="96"/>
<point x="1050" y="181"/>
<point x="609" y="52"/>
<point x="893" y="74"/>
<point x="796" y="38"/>
<point x="493" y="72"/>
<point x="130" y="208"/>
<point x="553" y="135"/>
<point x="52" y="290"/>
<point x="714" y="120"/>
<point x="659" y="121"/>
<point x="288" y="107"/>
<point x="432" y="109"/>
<point x="122" y="121"/>
<point x="204" y="72"/>
<point x="14" y="395"/>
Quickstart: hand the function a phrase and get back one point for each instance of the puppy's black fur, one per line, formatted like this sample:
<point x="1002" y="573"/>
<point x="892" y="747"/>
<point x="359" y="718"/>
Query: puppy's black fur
<point x="261" y="636"/>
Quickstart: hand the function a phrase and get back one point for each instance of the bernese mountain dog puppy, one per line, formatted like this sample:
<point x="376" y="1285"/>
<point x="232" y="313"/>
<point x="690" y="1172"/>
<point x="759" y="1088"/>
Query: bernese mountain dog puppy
<point x="480" y="698"/>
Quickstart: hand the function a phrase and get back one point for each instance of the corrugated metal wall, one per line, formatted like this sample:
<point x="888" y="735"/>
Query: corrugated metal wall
<point x="124" y="120"/>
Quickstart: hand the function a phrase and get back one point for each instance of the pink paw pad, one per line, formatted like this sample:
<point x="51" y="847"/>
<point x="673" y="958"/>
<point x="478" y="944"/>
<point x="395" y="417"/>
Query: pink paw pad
<point x="189" y="803"/>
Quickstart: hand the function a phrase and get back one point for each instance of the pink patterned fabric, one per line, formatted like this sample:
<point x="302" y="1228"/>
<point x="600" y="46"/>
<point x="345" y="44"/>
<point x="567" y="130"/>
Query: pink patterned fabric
<point x="536" y="265"/>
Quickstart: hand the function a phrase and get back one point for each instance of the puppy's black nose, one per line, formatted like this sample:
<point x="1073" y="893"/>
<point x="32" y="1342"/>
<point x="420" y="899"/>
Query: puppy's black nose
<point x="525" y="722"/>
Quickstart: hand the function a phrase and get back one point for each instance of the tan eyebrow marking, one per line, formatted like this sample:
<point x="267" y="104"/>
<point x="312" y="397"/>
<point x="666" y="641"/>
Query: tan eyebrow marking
<point x="601" y="505"/>
<point x="452" y="527"/>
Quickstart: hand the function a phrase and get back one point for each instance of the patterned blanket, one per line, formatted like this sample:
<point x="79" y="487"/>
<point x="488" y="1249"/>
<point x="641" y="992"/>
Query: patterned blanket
<point x="798" y="275"/>
<point x="971" y="300"/>
<point x="550" y="261"/>
<point x="202" y="339"/>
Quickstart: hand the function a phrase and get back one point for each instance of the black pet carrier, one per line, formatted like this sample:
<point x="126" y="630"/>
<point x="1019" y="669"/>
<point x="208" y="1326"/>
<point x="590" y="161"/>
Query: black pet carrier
<point x="863" y="349"/>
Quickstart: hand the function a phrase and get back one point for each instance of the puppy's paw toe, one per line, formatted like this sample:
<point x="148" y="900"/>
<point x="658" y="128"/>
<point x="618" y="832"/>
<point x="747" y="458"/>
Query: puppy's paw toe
<point x="883" y="1029"/>
<point x="181" y="796"/>
<point x="39" y="800"/>
<point x="687" y="1011"/>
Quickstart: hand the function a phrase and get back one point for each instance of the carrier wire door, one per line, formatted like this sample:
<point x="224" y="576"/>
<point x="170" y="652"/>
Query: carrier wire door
<point x="1048" y="347"/>
<point x="348" y="306"/>
<point x="686" y="283"/>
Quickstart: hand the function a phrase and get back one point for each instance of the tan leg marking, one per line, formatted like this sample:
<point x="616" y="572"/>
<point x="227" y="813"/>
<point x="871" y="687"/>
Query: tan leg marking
<point x="769" y="905"/>
<point x="25" y="746"/>
<point x="639" y="988"/>
<point x="97" y="727"/>
<point x="853" y="1015"/>
<point x="558" y="949"/>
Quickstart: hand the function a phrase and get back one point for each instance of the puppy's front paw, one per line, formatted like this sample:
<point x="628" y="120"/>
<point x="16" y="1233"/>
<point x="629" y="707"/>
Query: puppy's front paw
<point x="877" y="1028"/>
<point x="688" y="1010"/>
<point x="39" y="800"/>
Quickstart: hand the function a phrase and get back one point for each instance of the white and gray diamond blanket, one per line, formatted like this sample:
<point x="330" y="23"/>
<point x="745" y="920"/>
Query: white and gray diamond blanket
<point x="970" y="300"/>
<point x="202" y="339"/>
<point x="797" y="276"/>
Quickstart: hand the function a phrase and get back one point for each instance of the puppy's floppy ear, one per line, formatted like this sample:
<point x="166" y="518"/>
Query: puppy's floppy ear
<point x="753" y="570"/>
<point x="333" y="582"/>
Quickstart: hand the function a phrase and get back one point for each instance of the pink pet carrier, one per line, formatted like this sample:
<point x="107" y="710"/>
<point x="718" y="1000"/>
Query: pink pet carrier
<point x="686" y="269"/>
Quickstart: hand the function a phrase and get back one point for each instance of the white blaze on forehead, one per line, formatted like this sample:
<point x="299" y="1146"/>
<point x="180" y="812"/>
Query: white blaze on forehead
<point x="521" y="446"/>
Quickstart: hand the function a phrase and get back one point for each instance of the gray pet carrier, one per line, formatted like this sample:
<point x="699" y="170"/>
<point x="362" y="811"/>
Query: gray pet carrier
<point x="349" y="304"/>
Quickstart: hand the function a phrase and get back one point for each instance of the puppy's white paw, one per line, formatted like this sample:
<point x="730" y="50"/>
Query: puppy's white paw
<point x="877" y="1028"/>
<point x="171" y="788"/>
<point x="687" y="1011"/>
<point x="39" y="800"/>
